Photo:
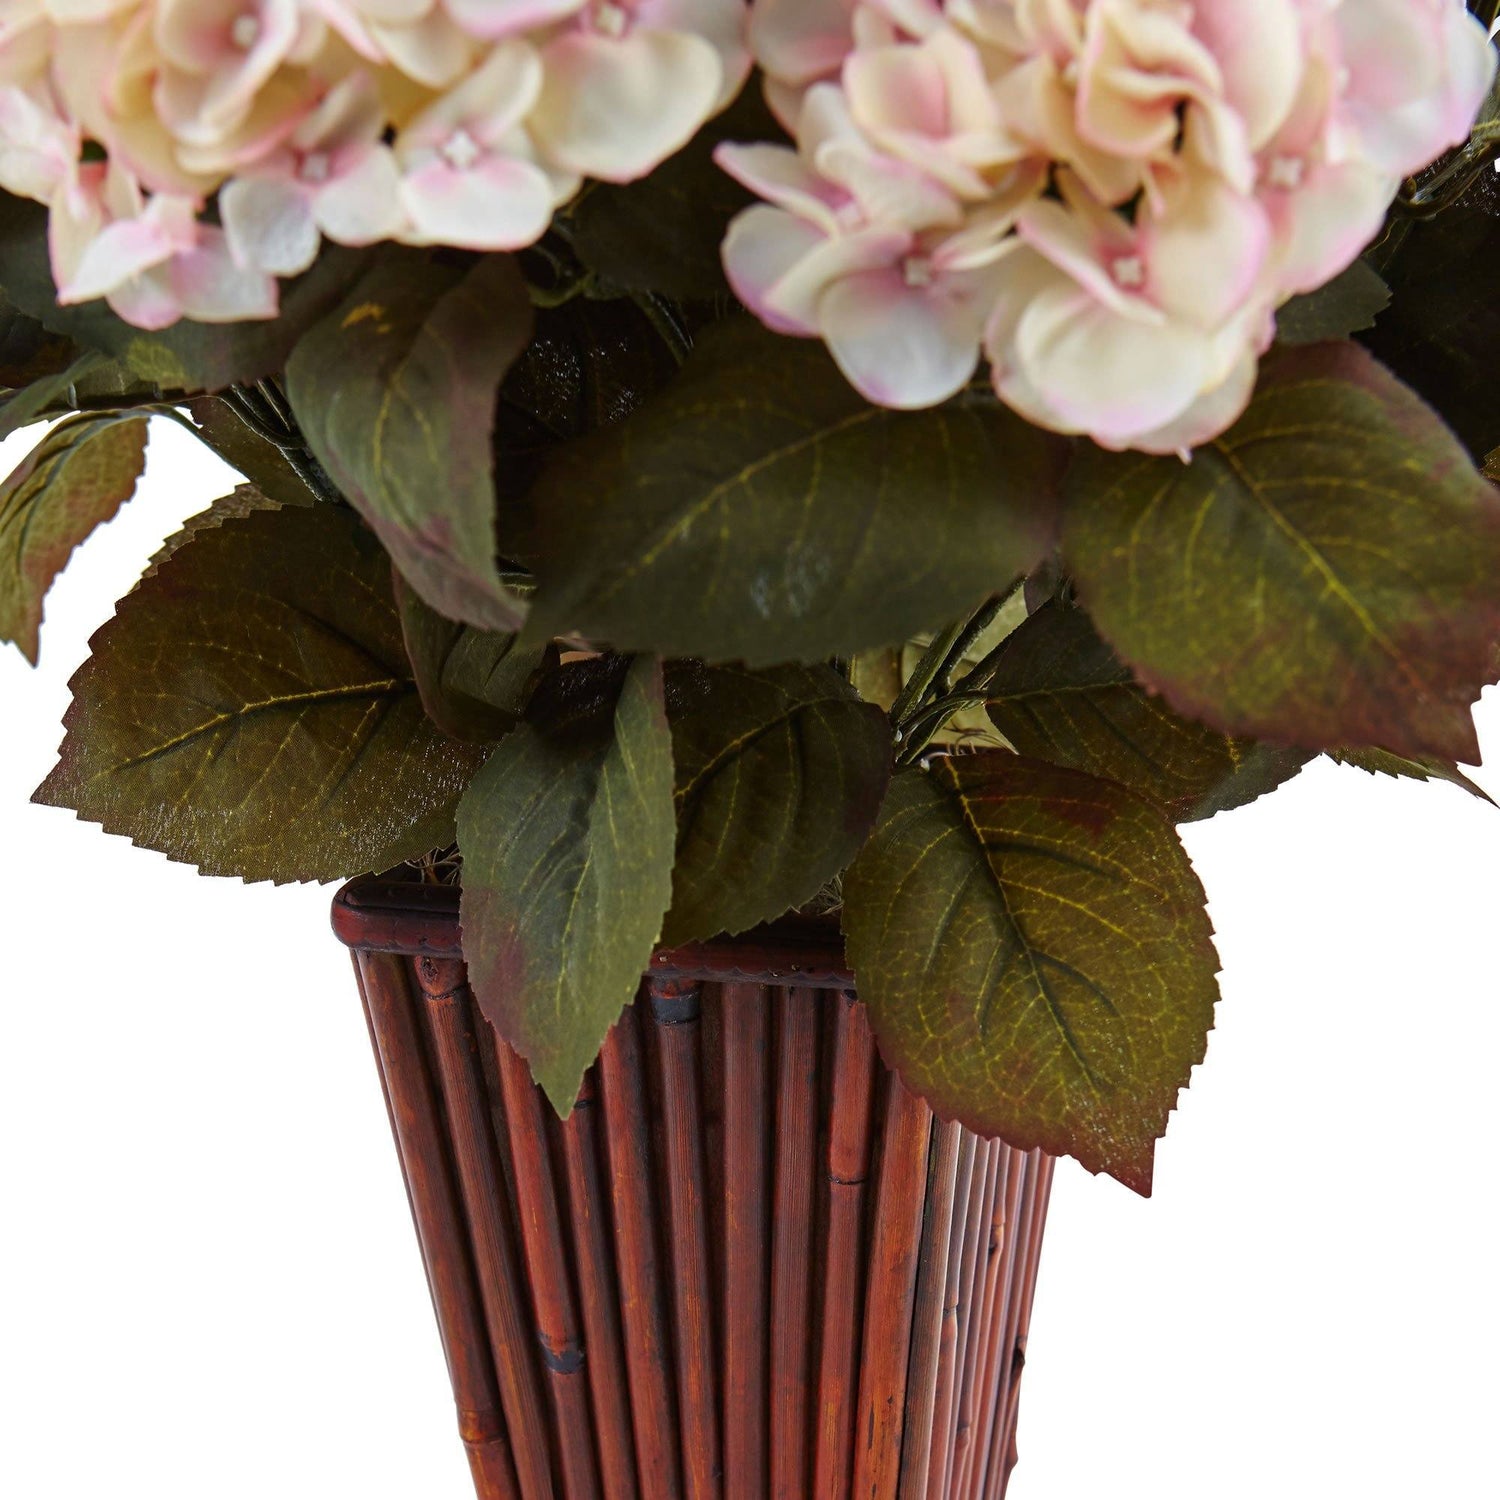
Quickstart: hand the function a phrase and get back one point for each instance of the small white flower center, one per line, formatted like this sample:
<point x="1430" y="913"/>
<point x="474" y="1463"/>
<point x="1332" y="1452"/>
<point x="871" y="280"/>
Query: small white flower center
<point x="461" y="150"/>
<point x="244" y="32"/>
<point x="1129" y="272"/>
<point x="316" y="167"/>
<point x="611" y="20"/>
<point x="916" y="270"/>
<point x="1285" y="172"/>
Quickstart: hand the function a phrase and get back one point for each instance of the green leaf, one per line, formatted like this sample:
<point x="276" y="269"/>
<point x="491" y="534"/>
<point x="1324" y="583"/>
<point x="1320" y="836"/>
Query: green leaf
<point x="759" y="509"/>
<point x="662" y="234"/>
<point x="30" y="404"/>
<point x="1321" y="575"/>
<point x="1442" y="328"/>
<point x="474" y="683"/>
<point x="261" y="462"/>
<point x="1428" y="768"/>
<point x="75" y="479"/>
<point x="29" y="352"/>
<point x="396" y="394"/>
<point x="188" y="356"/>
<point x="567" y="841"/>
<point x="1059" y="693"/>
<point x="1035" y="954"/>
<point x="250" y="710"/>
<point x="1350" y="302"/>
<point x="243" y="500"/>
<point x="779" y="779"/>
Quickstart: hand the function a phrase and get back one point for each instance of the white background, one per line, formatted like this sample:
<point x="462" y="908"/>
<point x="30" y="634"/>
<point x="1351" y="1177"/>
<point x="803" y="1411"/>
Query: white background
<point x="210" y="1288"/>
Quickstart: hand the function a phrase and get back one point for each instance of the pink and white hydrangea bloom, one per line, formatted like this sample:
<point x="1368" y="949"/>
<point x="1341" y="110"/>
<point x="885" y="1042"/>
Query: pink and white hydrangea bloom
<point x="1154" y="178"/>
<point x="235" y="135"/>
<point x="627" y="82"/>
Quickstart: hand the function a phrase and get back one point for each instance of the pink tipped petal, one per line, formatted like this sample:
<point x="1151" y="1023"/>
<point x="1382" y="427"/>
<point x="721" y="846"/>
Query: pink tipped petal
<point x="779" y="175"/>
<point x="37" y="149"/>
<point x="796" y="41"/>
<point x="213" y="289"/>
<point x="1207" y="249"/>
<point x="1320" y="228"/>
<point x="1110" y="376"/>
<point x="762" y="246"/>
<point x="268" y="223"/>
<point x="433" y="51"/>
<point x="900" y="345"/>
<point x="499" y="204"/>
<point x="491" y="20"/>
<point x="1212" y="413"/>
<point x="614" y="108"/>
<point x="361" y="202"/>
<point x="721" y="23"/>
<point x="128" y="247"/>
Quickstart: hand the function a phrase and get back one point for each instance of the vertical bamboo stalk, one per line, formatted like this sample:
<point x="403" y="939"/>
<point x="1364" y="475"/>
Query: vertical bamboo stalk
<point x="642" y="1275"/>
<point x="605" y="1366"/>
<point x="927" y="1310"/>
<point x="890" y="1293"/>
<point x="557" y="1324"/>
<point x="490" y="1468"/>
<point x="976" y="1233"/>
<point x="851" y="1073"/>
<point x="958" y="1242"/>
<point x="796" y="1167"/>
<point x="997" y="1298"/>
<point x="411" y="1100"/>
<point x="991" y="1249"/>
<point x="675" y="1011"/>
<point x="744" y="1023"/>
<point x="1025" y="1294"/>
<point x="501" y="1286"/>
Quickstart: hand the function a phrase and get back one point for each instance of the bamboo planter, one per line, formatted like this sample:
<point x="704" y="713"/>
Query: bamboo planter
<point x="750" y="1265"/>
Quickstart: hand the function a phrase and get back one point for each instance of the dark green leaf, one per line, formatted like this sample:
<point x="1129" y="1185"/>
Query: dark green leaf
<point x="243" y="500"/>
<point x="1059" y="693"/>
<point x="779" y="778"/>
<point x="567" y="839"/>
<point x="29" y="352"/>
<point x="188" y="356"/>
<point x="261" y="462"/>
<point x="662" y="234"/>
<point x="1322" y="575"/>
<point x="75" y="479"/>
<point x="759" y="509"/>
<point x="1345" y="305"/>
<point x="250" y="710"/>
<point x="32" y="402"/>
<point x="474" y="683"/>
<point x="1442" y="328"/>
<point x="1034" y="950"/>
<point x="1429" y="768"/>
<point x="396" y="393"/>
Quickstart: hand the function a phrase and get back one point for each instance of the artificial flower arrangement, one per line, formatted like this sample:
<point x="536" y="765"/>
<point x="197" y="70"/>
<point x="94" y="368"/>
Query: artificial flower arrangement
<point x="708" y="460"/>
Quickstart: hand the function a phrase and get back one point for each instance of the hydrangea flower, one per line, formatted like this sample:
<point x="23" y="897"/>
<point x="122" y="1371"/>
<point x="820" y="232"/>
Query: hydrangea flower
<point x="191" y="151"/>
<point x="1111" y="196"/>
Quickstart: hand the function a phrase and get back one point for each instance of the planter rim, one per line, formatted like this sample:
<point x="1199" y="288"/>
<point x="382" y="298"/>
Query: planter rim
<point x="387" y="914"/>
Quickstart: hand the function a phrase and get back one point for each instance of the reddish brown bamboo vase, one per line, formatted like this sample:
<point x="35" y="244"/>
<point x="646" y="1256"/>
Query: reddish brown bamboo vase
<point x="749" y="1266"/>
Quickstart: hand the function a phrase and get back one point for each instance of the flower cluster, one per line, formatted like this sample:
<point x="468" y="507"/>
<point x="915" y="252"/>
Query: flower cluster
<point x="453" y="122"/>
<point x="1109" y="198"/>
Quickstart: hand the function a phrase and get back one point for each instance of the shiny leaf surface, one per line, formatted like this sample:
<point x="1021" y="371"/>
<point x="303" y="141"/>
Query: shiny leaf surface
<point x="1059" y="693"/>
<point x="779" y="776"/>
<point x="1034" y="951"/>
<point x="1321" y="575"/>
<point x="75" y="479"/>
<point x="567" y="837"/>
<point x="250" y="709"/>
<point x="396" y="393"/>
<point x="759" y="509"/>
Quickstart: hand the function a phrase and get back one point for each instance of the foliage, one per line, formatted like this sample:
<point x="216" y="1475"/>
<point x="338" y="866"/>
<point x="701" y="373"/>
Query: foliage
<point x="559" y="556"/>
